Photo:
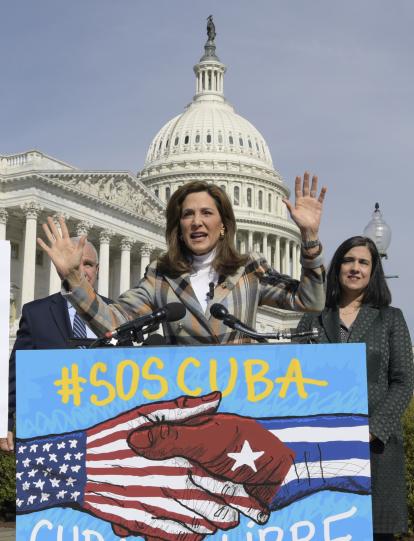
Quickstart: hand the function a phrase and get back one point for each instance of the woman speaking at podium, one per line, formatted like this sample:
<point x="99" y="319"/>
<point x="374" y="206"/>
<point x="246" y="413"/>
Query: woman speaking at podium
<point x="201" y="267"/>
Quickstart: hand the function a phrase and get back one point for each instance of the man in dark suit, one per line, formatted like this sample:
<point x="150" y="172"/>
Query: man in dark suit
<point x="48" y="324"/>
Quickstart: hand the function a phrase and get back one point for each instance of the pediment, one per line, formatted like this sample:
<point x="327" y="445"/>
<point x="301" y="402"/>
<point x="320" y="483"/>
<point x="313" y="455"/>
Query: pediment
<point x="118" y="189"/>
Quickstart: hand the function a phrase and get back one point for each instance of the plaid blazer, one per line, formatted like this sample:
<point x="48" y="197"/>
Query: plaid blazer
<point x="253" y="284"/>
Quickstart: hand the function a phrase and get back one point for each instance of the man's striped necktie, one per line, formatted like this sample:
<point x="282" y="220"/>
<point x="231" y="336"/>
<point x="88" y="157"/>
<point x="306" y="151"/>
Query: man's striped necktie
<point x="79" y="328"/>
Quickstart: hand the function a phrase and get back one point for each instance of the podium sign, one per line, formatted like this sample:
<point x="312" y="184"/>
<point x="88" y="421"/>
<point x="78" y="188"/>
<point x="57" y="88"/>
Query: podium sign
<point x="226" y="443"/>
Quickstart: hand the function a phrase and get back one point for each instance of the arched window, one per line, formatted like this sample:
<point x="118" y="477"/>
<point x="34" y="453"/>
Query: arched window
<point x="223" y="187"/>
<point x="176" y="141"/>
<point x="236" y="196"/>
<point x="157" y="193"/>
<point x="167" y="193"/>
<point x="231" y="139"/>
<point x="167" y="143"/>
<point x="249" y="197"/>
<point x="208" y="138"/>
<point x="250" y="143"/>
<point x="197" y="139"/>
<point x="260" y="199"/>
<point x="186" y="140"/>
<point x="240" y="141"/>
<point x="269" y="202"/>
<point x="159" y="146"/>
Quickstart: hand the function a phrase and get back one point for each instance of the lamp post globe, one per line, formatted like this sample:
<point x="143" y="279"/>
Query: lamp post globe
<point x="379" y="231"/>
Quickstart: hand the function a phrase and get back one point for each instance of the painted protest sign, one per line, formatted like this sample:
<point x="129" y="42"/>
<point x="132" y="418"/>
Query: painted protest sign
<point x="266" y="443"/>
<point x="4" y="332"/>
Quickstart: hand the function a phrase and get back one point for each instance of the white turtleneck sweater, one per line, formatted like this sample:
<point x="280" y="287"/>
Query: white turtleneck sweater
<point x="201" y="275"/>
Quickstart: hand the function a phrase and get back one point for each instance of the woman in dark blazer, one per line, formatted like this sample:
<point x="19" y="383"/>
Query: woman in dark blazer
<point x="358" y="310"/>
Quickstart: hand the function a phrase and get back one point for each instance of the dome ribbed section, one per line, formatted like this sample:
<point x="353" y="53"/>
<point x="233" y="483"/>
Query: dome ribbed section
<point x="209" y="129"/>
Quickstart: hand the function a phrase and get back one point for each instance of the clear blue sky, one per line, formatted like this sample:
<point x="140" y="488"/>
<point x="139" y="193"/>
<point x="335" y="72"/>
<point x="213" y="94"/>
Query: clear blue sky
<point x="329" y="84"/>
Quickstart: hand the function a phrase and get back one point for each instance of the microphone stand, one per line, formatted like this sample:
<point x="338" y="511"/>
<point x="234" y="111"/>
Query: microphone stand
<point x="265" y="337"/>
<point x="127" y="337"/>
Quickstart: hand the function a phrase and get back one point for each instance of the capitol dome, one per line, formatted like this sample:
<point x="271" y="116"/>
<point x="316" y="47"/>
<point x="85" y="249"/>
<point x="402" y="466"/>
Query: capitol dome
<point x="209" y="131"/>
<point x="210" y="142"/>
<point x="209" y="127"/>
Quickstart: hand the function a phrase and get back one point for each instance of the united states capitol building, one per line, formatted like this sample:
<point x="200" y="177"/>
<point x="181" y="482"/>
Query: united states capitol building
<point x="123" y="213"/>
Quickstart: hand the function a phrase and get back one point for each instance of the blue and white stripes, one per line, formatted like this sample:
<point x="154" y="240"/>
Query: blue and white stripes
<point x="332" y="453"/>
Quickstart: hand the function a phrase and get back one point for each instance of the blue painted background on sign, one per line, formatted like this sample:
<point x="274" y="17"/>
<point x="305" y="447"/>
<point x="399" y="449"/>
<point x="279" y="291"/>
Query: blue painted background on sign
<point x="324" y="379"/>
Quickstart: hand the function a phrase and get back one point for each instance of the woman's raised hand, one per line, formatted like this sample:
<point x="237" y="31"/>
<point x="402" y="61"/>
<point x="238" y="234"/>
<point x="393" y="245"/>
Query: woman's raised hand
<point x="65" y="254"/>
<point x="307" y="210"/>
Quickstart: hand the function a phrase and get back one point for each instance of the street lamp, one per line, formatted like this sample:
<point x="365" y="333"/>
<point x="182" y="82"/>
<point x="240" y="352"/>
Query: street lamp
<point x="379" y="231"/>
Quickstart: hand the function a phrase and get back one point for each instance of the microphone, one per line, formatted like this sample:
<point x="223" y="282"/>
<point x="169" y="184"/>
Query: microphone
<point x="171" y="312"/>
<point x="210" y="294"/>
<point x="220" y="312"/>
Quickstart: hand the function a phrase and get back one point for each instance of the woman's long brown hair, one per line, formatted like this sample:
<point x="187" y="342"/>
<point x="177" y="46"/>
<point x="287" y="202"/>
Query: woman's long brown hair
<point x="177" y="259"/>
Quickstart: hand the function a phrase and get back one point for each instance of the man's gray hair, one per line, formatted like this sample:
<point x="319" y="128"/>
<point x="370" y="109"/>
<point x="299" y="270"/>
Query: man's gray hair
<point x="75" y="240"/>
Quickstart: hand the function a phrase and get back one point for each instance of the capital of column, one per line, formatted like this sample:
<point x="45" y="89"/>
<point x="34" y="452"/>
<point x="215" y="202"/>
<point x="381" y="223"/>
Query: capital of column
<point x="105" y="236"/>
<point x="83" y="227"/>
<point x="57" y="215"/>
<point x="3" y="216"/>
<point x="31" y="209"/>
<point x="146" y="249"/>
<point x="126" y="244"/>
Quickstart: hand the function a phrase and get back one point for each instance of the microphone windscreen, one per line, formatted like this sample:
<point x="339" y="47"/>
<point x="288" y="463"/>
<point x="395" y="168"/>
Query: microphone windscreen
<point x="218" y="311"/>
<point x="175" y="311"/>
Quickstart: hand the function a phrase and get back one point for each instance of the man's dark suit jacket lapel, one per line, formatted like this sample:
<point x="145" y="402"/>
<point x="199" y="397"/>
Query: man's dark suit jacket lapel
<point x="60" y="314"/>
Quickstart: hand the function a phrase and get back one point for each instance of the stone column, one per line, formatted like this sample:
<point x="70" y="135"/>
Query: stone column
<point x="31" y="210"/>
<point x="285" y="256"/>
<point x="104" y="240"/>
<point x="277" y="254"/>
<point x="264" y="250"/>
<point x="250" y="241"/>
<point x="294" y="260"/>
<point x="145" y="252"/>
<point x="54" y="280"/>
<point x="125" y="278"/>
<point x="242" y="242"/>
<point x="269" y="251"/>
<point x="3" y="223"/>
